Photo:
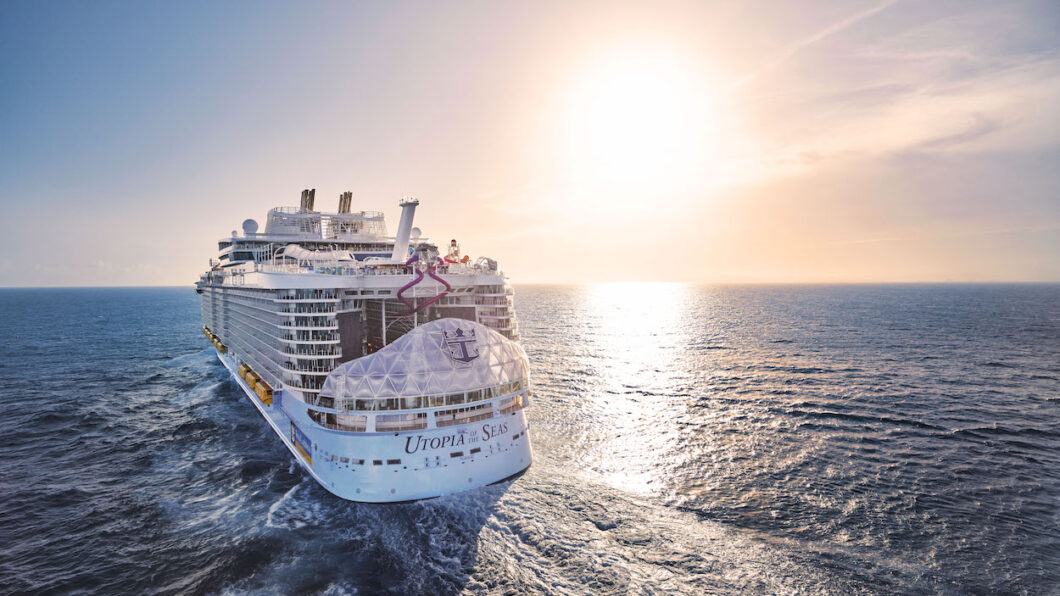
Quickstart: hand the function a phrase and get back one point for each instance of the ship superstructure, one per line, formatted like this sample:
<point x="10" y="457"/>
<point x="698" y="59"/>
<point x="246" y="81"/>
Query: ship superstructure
<point x="391" y="371"/>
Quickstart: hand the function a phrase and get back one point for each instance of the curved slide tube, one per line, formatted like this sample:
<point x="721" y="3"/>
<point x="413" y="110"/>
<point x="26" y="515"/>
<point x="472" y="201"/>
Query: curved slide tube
<point x="419" y="277"/>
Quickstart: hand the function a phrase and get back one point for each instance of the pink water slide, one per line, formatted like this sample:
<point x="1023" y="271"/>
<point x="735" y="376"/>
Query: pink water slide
<point x="419" y="277"/>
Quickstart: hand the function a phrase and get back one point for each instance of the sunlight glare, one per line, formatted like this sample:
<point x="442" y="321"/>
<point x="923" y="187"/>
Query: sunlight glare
<point x="637" y="121"/>
<point x="641" y="327"/>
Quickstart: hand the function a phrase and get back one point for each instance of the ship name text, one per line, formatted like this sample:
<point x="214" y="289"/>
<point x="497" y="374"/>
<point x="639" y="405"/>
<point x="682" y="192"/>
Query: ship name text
<point x="463" y="437"/>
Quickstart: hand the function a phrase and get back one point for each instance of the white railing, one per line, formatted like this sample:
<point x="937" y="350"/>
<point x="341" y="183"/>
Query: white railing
<point x="363" y="270"/>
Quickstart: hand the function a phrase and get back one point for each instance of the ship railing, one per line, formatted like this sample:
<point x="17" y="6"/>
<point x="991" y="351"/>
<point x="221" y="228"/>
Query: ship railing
<point x="263" y="304"/>
<point x="393" y="422"/>
<point x="307" y="295"/>
<point x="336" y="268"/>
<point x="429" y="401"/>
<point x="344" y="422"/>
<point x="310" y="327"/>
<point x="398" y="422"/>
<point x="301" y="385"/>
<point x="322" y="353"/>
<point x="511" y="404"/>
<point x="350" y="428"/>
<point x="261" y="316"/>
<point x="463" y="415"/>
<point x="298" y="337"/>
<point x="307" y="310"/>
<point x="256" y="325"/>
<point x="292" y="367"/>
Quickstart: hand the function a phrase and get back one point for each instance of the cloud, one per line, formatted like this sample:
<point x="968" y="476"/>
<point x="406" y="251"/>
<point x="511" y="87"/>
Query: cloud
<point x="980" y="127"/>
<point x="1004" y="108"/>
<point x="789" y="51"/>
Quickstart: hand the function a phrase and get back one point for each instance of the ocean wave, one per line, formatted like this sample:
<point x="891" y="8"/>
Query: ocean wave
<point x="690" y="449"/>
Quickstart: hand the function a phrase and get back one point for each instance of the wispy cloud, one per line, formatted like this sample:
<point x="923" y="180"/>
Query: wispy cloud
<point x="790" y="50"/>
<point x="980" y="127"/>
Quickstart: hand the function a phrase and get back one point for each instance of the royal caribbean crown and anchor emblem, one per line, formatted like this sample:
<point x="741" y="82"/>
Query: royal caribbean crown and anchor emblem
<point x="462" y="345"/>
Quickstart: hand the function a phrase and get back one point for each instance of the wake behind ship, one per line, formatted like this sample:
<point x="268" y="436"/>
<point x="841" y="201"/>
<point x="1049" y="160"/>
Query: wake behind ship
<point x="390" y="371"/>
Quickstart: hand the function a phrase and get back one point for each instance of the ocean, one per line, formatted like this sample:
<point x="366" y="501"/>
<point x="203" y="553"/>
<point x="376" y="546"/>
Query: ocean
<point x="899" y="439"/>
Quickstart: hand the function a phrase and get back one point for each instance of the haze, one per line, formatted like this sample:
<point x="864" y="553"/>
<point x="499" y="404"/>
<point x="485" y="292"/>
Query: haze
<point x="574" y="142"/>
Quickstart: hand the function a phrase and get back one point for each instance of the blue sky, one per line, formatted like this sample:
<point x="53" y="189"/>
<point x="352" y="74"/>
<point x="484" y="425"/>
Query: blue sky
<point x="706" y="141"/>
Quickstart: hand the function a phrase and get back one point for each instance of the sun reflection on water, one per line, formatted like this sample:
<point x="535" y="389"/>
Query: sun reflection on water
<point x="638" y="333"/>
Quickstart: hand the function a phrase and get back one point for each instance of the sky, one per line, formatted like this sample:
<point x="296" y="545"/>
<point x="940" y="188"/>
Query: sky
<point x="709" y="142"/>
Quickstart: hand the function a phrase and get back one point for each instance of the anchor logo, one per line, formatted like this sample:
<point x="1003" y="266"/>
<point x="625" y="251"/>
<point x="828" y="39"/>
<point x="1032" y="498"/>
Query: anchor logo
<point x="462" y="345"/>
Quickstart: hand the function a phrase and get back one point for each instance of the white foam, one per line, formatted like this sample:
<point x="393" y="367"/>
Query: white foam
<point x="287" y="496"/>
<point x="192" y="359"/>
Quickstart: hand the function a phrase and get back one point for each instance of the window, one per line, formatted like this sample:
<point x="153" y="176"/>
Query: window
<point x="365" y="404"/>
<point x="510" y="404"/>
<point x="397" y="422"/>
<point x="345" y="422"/>
<point x="393" y="462"/>
<point x="457" y="454"/>
<point x="463" y="415"/>
<point x="476" y="450"/>
<point x="377" y="462"/>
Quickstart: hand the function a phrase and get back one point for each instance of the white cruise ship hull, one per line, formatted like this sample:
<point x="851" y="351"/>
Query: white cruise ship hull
<point x="390" y="373"/>
<point x="397" y="467"/>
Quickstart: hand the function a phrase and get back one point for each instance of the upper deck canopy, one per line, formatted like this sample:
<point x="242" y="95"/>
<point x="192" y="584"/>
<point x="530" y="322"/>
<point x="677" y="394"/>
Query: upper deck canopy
<point x="440" y="357"/>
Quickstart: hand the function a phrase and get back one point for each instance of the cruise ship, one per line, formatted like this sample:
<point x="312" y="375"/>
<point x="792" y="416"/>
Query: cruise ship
<point x="390" y="369"/>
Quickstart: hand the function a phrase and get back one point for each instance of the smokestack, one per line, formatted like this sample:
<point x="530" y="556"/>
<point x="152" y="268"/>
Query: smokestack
<point x="310" y="199"/>
<point x="302" y="201"/>
<point x="345" y="199"/>
<point x="401" y="241"/>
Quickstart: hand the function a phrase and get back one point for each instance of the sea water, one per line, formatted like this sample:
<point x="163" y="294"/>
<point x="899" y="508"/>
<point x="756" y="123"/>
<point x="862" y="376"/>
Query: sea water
<point x="688" y="439"/>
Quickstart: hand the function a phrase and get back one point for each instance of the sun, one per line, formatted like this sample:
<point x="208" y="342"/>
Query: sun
<point x="637" y="121"/>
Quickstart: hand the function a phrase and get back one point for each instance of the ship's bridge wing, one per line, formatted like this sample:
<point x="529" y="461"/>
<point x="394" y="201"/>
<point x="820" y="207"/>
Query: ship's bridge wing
<point x="436" y="358"/>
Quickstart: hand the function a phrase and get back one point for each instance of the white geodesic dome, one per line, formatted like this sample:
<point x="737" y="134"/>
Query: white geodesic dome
<point x="436" y="358"/>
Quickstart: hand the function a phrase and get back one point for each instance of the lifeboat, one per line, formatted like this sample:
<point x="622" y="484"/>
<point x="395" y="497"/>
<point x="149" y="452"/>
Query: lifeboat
<point x="264" y="392"/>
